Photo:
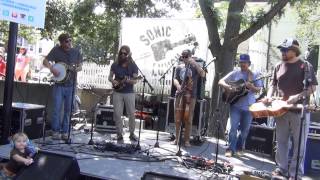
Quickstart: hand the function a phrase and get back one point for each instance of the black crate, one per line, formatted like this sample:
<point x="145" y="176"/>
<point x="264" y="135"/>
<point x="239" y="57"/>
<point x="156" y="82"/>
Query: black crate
<point x="27" y="118"/>
<point x="261" y="139"/>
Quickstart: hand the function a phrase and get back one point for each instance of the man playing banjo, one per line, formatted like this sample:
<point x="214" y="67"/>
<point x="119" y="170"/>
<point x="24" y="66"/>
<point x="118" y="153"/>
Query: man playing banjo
<point x="71" y="59"/>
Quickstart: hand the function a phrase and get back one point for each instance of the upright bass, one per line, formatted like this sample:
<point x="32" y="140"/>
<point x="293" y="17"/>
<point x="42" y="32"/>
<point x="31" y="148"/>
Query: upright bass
<point x="183" y="99"/>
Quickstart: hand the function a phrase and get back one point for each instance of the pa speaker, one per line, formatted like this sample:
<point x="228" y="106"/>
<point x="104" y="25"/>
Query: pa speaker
<point x="313" y="56"/>
<point x="51" y="166"/>
<point x="158" y="176"/>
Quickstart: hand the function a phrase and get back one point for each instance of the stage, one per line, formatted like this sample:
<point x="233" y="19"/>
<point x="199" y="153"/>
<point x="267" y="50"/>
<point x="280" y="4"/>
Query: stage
<point x="115" y="165"/>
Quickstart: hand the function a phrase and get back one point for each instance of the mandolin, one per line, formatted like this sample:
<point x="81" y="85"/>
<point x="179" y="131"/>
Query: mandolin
<point x="241" y="90"/>
<point x="121" y="82"/>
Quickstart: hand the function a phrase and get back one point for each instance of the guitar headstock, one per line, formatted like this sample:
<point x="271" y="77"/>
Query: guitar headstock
<point x="190" y="38"/>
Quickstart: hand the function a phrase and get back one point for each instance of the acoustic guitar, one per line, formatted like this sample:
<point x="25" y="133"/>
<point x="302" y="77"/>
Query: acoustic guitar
<point x="276" y="108"/>
<point x="241" y="90"/>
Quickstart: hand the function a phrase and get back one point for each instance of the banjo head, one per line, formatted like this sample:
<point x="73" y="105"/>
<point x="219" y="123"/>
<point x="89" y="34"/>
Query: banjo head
<point x="62" y="68"/>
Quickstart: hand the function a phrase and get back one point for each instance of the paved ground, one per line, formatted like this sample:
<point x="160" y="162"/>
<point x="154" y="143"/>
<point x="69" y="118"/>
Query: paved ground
<point x="113" y="165"/>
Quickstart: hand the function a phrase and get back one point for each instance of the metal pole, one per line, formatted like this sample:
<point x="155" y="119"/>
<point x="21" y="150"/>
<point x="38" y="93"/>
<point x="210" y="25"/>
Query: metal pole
<point x="8" y="85"/>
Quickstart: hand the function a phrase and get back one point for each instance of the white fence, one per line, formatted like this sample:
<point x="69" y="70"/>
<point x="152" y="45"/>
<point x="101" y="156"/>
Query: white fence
<point x="94" y="75"/>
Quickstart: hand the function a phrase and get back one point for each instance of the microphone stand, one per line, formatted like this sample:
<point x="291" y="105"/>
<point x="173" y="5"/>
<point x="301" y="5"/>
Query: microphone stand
<point x="72" y="106"/>
<point x="303" y="115"/>
<point x="163" y="77"/>
<point x="138" y="147"/>
<point x="91" y="142"/>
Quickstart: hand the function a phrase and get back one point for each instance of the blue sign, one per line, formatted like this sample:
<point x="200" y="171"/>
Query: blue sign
<point x="30" y="12"/>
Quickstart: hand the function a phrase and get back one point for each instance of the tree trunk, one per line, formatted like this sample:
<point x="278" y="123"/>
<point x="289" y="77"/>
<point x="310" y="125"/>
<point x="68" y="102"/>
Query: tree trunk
<point x="219" y="111"/>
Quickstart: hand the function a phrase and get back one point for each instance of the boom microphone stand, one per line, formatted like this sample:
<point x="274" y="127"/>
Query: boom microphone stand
<point x="163" y="77"/>
<point x="141" y="109"/>
<point x="303" y="115"/>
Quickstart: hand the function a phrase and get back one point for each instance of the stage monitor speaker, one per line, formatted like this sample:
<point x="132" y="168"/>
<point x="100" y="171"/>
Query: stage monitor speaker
<point x="158" y="176"/>
<point x="261" y="140"/>
<point x="313" y="56"/>
<point x="51" y="166"/>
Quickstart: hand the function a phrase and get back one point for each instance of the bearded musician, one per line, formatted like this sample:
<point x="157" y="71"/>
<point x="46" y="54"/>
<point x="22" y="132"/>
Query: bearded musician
<point x="185" y="80"/>
<point x="122" y="76"/>
<point x="288" y="82"/>
<point x="240" y="117"/>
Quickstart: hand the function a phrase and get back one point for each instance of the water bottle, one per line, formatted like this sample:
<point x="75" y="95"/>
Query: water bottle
<point x="108" y="100"/>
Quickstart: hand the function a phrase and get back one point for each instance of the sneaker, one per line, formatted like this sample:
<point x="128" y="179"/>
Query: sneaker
<point x="174" y="142"/>
<point x="133" y="137"/>
<point x="64" y="136"/>
<point x="239" y="153"/>
<point x="187" y="144"/>
<point x="56" y="136"/>
<point x="228" y="153"/>
<point x="278" y="174"/>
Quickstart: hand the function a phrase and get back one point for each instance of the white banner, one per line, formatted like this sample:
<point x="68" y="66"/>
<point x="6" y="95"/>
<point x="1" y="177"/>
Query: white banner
<point x="157" y="43"/>
<point x="28" y="12"/>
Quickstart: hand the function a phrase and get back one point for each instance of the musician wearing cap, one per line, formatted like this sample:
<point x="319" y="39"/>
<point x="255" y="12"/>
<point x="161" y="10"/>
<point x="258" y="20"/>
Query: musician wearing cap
<point x="123" y="75"/>
<point x="70" y="58"/>
<point x="185" y="80"/>
<point x="288" y="83"/>
<point x="240" y="117"/>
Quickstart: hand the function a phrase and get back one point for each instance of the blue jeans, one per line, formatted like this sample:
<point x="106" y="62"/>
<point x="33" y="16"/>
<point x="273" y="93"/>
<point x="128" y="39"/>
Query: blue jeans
<point x="239" y="120"/>
<point x="62" y="96"/>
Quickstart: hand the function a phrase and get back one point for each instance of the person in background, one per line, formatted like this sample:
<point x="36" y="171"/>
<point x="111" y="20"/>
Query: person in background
<point x="22" y="66"/>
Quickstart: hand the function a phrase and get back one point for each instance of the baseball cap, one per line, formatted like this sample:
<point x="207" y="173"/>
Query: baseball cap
<point x="244" y="58"/>
<point x="288" y="43"/>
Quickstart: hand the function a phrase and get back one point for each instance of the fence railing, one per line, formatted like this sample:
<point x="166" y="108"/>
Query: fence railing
<point x="94" y="75"/>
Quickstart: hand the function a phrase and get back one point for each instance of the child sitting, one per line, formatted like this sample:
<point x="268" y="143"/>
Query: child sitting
<point x="20" y="156"/>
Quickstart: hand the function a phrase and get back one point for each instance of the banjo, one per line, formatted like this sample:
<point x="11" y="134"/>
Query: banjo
<point x="64" y="72"/>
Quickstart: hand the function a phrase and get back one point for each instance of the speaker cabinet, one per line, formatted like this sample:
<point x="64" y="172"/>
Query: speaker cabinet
<point x="261" y="139"/>
<point x="51" y="166"/>
<point x="27" y="118"/>
<point x="104" y="118"/>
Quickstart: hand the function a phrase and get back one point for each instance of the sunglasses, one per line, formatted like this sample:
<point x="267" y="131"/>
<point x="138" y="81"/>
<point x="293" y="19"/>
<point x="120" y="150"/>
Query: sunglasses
<point x="123" y="53"/>
<point x="68" y="40"/>
<point x="284" y="50"/>
<point x="185" y="57"/>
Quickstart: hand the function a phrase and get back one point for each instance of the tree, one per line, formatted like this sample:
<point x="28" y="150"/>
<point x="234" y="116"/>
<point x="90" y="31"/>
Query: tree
<point x="308" y="30"/>
<point x="224" y="47"/>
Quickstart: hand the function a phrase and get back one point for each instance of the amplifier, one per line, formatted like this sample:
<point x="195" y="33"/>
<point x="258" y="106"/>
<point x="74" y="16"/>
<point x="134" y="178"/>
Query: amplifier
<point x="261" y="139"/>
<point x="104" y="118"/>
<point x="27" y="118"/>
<point x="312" y="157"/>
<point x="199" y="123"/>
